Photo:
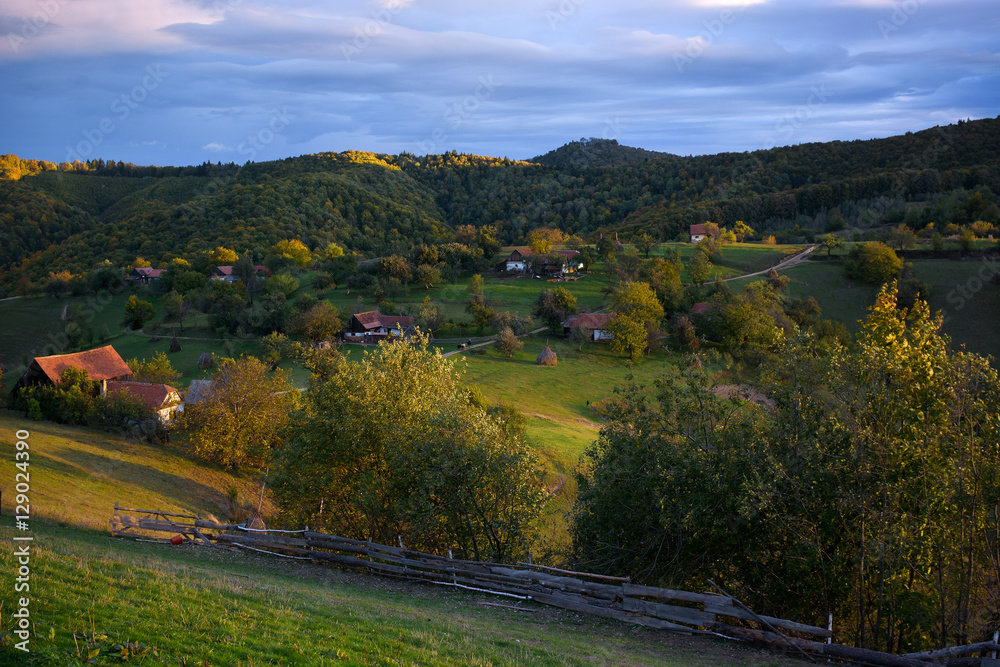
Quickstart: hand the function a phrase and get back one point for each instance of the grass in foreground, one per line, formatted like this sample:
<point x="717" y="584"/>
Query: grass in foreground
<point x="99" y="596"/>
<point x="96" y="598"/>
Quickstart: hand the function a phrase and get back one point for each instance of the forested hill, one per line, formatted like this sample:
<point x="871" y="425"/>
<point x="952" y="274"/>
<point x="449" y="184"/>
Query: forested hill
<point x="596" y="153"/>
<point x="70" y="217"/>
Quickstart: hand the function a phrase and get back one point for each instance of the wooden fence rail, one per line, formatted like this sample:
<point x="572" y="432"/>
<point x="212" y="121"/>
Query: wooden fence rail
<point x="597" y="595"/>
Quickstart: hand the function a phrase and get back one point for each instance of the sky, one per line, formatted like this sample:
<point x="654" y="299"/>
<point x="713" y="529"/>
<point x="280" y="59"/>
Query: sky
<point x="177" y="82"/>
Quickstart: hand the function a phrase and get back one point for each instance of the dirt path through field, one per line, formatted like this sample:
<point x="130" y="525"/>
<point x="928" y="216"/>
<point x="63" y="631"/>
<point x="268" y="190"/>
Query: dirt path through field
<point x="794" y="260"/>
<point x="490" y="342"/>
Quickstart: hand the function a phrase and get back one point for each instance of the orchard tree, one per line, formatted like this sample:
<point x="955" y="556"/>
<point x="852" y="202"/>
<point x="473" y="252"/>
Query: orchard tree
<point x="832" y="242"/>
<point x="137" y="313"/>
<point x="636" y="317"/>
<point x="320" y="322"/>
<point x="742" y="231"/>
<point x="238" y="424"/>
<point x="644" y="244"/>
<point x="902" y="237"/>
<point x="507" y="342"/>
<point x="426" y="275"/>
<point x="553" y="306"/>
<point x="156" y="370"/>
<point x="699" y="268"/>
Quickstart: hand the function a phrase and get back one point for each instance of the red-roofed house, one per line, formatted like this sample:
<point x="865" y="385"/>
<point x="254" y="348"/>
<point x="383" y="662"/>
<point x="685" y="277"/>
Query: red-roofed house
<point x="372" y="326"/>
<point x="102" y="364"/>
<point x="143" y="275"/>
<point x="595" y="323"/>
<point x="698" y="233"/>
<point x="225" y="273"/>
<point x="159" y="398"/>
<point x="520" y="260"/>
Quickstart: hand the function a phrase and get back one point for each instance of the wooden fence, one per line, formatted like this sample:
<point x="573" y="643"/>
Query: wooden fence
<point x="597" y="595"/>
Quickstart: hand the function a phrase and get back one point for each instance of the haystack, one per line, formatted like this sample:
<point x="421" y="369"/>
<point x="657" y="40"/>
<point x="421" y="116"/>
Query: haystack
<point x="175" y="345"/>
<point x="206" y="360"/>
<point x="547" y="357"/>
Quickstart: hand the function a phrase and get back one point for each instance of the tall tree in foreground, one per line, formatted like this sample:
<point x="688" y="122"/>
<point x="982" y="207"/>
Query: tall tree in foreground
<point x="866" y="485"/>
<point x="393" y="446"/>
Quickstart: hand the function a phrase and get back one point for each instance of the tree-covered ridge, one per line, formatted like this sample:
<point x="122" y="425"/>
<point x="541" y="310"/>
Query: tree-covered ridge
<point x="595" y="152"/>
<point x="373" y="204"/>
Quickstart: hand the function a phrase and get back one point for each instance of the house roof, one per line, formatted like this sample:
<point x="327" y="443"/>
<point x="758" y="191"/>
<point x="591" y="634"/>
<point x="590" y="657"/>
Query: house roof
<point x="148" y="271"/>
<point x="373" y="319"/>
<point x="698" y="230"/>
<point x="198" y="391"/>
<point x="404" y="321"/>
<point x="701" y="307"/>
<point x="528" y="252"/>
<point x="587" y="321"/>
<point x="153" y="396"/>
<point x="228" y="270"/>
<point x="102" y="363"/>
<point x="370" y="319"/>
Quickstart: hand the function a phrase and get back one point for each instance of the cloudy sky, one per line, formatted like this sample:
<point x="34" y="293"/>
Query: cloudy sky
<point x="184" y="81"/>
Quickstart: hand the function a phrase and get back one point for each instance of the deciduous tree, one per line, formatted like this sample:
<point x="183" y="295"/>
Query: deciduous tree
<point x="238" y="424"/>
<point x="408" y="455"/>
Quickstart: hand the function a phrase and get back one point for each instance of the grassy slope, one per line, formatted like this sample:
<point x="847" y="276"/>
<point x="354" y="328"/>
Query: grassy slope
<point x="970" y="304"/>
<point x="189" y="605"/>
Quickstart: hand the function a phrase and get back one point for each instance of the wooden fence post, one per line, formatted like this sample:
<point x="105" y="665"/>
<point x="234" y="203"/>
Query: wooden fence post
<point x="996" y="639"/>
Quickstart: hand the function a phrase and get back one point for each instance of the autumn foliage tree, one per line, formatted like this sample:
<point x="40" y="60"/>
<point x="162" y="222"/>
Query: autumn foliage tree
<point x="636" y="317"/>
<point x="409" y="455"/>
<point x="861" y="482"/>
<point x="238" y="424"/>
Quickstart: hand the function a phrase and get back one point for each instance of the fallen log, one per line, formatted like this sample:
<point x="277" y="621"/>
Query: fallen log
<point x="955" y="651"/>
<point x="839" y="651"/>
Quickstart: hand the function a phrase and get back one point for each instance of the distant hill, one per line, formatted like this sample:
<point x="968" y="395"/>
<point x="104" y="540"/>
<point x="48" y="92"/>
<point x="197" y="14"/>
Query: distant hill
<point x="596" y="153"/>
<point x="69" y="217"/>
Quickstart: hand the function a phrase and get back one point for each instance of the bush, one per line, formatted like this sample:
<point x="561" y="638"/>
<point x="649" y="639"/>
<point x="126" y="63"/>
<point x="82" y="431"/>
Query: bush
<point x="873" y="262"/>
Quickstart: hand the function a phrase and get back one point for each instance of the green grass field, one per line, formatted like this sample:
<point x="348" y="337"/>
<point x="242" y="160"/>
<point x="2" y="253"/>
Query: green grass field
<point x="959" y="290"/>
<point x="95" y="597"/>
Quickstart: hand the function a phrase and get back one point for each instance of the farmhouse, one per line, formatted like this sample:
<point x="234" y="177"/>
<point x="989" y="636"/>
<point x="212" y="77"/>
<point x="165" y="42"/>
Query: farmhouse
<point x="159" y="398"/>
<point x="225" y="273"/>
<point x="698" y="233"/>
<point x="143" y="275"/>
<point x="520" y="260"/>
<point x="102" y="364"/>
<point x="372" y="326"/>
<point x="594" y="323"/>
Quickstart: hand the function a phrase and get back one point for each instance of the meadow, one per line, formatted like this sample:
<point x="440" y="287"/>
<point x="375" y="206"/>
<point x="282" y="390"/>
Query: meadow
<point x="100" y="600"/>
